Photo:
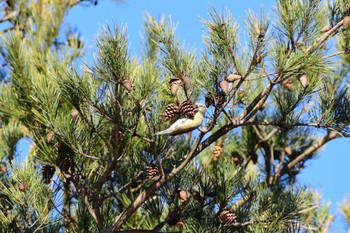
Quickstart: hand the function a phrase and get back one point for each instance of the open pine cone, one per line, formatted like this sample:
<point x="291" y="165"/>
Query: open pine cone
<point x="170" y="111"/>
<point x="187" y="108"/>
<point x="227" y="216"/>
<point x="47" y="172"/>
<point x="152" y="171"/>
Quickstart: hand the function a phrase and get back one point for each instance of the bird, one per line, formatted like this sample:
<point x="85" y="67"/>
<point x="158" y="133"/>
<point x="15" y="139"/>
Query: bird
<point x="185" y="125"/>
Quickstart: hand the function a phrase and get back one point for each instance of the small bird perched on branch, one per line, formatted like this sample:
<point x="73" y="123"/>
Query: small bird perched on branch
<point x="185" y="125"/>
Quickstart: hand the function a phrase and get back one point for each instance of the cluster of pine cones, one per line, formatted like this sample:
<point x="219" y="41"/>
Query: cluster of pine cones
<point x="185" y="108"/>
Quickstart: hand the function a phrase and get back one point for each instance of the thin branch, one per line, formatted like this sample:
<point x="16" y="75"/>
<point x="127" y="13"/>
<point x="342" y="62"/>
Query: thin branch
<point x="308" y="209"/>
<point x="330" y="136"/>
<point x="9" y="16"/>
<point x="124" y="187"/>
<point x="240" y="224"/>
<point x="147" y="193"/>
<point x="336" y="54"/>
<point x="328" y="223"/>
<point x="279" y="168"/>
<point x="239" y="203"/>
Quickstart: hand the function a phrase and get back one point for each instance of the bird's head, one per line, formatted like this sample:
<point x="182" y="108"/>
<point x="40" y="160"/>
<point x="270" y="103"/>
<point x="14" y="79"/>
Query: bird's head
<point x="199" y="107"/>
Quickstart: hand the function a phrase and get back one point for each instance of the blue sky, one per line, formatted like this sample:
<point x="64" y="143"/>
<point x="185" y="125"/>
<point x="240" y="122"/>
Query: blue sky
<point x="329" y="173"/>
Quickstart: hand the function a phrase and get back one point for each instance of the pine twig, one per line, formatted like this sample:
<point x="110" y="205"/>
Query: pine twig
<point x="328" y="223"/>
<point x="9" y="16"/>
<point x="308" y="209"/>
<point x="240" y="224"/>
<point x="148" y="192"/>
<point x="330" y="136"/>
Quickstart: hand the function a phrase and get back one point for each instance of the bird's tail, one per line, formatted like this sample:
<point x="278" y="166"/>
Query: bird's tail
<point x="167" y="131"/>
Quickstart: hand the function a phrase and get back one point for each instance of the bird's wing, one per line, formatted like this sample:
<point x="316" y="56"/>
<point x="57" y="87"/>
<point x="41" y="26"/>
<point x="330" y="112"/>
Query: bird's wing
<point x="179" y="122"/>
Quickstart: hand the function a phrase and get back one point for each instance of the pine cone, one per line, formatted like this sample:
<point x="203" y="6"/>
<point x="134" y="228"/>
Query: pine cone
<point x="227" y="216"/>
<point x="233" y="77"/>
<point x="288" y="150"/>
<point x="173" y="218"/>
<point x="209" y="100"/>
<point x="127" y="84"/>
<point x="217" y="152"/>
<point x="237" y="161"/>
<point x="187" y="81"/>
<point x="224" y="86"/>
<point x="183" y="196"/>
<point x="74" y="113"/>
<point x="65" y="160"/>
<point x="221" y="98"/>
<point x="175" y="84"/>
<point x="236" y="158"/>
<point x="3" y="168"/>
<point x="49" y="136"/>
<point x="47" y="172"/>
<point x="288" y="84"/>
<point x="22" y="186"/>
<point x="197" y="196"/>
<point x="181" y="223"/>
<point x="186" y="108"/>
<point x="170" y="111"/>
<point x="152" y="171"/>
<point x="303" y="80"/>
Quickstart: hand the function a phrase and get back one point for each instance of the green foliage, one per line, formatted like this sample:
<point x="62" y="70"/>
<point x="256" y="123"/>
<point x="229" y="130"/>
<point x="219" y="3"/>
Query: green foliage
<point x="28" y="205"/>
<point x="93" y="130"/>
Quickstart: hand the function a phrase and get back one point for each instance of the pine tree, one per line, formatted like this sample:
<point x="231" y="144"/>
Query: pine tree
<point x="96" y="165"/>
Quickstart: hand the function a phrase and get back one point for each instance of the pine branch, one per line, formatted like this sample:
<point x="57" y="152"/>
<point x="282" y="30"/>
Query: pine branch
<point x="327" y="225"/>
<point x="10" y="16"/>
<point x="93" y="207"/>
<point x="330" y="136"/>
<point x="149" y="192"/>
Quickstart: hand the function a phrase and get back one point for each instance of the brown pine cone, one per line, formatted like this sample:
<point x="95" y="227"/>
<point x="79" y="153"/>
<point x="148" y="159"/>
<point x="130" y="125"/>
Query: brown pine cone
<point x="3" y="168"/>
<point x="181" y="223"/>
<point x="22" y="186"/>
<point x="65" y="160"/>
<point x="288" y="84"/>
<point x="175" y="84"/>
<point x="303" y="80"/>
<point x="170" y="111"/>
<point x="152" y="171"/>
<point x="74" y="113"/>
<point x="221" y="98"/>
<point x="217" y="152"/>
<point x="288" y="150"/>
<point x="227" y="216"/>
<point x="173" y="218"/>
<point x="236" y="158"/>
<point x="127" y="85"/>
<point x="49" y="136"/>
<point x="187" y="81"/>
<point x="233" y="77"/>
<point x="187" y="108"/>
<point x="183" y="196"/>
<point x="209" y="100"/>
<point x="224" y="86"/>
<point x="197" y="196"/>
<point x="47" y="172"/>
